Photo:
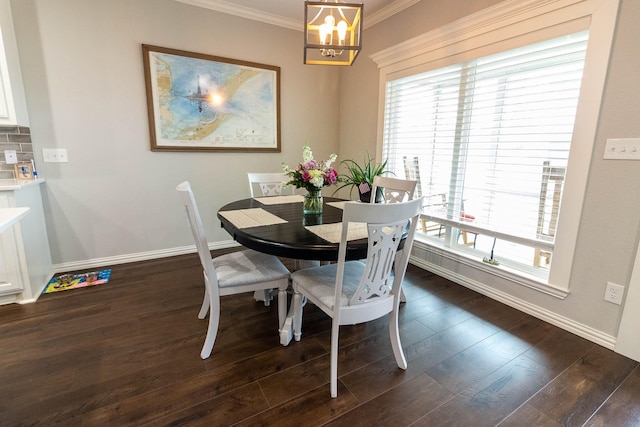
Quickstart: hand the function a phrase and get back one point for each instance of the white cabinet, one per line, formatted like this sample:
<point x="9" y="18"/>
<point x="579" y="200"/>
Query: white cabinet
<point x="13" y="101"/>
<point x="31" y="259"/>
<point x="11" y="262"/>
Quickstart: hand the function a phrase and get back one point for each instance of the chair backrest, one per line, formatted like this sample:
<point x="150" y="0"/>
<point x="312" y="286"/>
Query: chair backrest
<point x="436" y="202"/>
<point x="386" y="224"/>
<point x="395" y="189"/>
<point x="412" y="172"/>
<point x="550" y="196"/>
<point x="270" y="183"/>
<point x="197" y="229"/>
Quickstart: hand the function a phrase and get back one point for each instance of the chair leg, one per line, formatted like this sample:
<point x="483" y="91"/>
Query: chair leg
<point x="394" y="335"/>
<point x="282" y="307"/>
<point x="212" y="332"/>
<point x="297" y="315"/>
<point x="264" y="295"/>
<point x="205" y="305"/>
<point x="403" y="297"/>
<point x="335" y="328"/>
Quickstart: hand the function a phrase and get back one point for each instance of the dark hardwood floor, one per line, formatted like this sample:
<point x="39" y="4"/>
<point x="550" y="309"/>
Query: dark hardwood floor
<point x="127" y="353"/>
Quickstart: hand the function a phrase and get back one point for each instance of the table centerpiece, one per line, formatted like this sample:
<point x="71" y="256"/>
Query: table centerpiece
<point x="311" y="175"/>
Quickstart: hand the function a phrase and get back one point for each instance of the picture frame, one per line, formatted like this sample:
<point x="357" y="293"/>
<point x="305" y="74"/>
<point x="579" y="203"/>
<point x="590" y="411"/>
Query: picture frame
<point x="200" y="102"/>
<point x="24" y="171"/>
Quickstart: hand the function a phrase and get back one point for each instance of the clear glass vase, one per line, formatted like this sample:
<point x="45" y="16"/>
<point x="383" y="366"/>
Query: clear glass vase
<point x="312" y="204"/>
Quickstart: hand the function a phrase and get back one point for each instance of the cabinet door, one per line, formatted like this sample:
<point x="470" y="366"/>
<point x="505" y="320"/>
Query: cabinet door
<point x="11" y="267"/>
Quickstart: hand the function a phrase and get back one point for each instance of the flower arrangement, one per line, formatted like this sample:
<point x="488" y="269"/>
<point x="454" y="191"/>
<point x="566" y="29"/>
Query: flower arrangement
<point x="311" y="174"/>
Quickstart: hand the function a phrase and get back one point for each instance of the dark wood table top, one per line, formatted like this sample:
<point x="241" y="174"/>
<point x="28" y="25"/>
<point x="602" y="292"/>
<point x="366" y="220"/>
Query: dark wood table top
<point x="291" y="239"/>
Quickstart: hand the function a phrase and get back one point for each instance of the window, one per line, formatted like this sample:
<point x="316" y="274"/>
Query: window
<point x="489" y="139"/>
<point x="501" y="28"/>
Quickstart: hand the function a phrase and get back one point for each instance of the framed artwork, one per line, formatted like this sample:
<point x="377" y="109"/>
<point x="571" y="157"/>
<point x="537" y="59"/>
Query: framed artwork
<point x="24" y="171"/>
<point x="199" y="102"/>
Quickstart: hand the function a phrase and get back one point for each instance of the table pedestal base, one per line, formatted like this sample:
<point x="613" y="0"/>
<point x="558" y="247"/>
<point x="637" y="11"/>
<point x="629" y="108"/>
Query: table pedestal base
<point x="286" y="332"/>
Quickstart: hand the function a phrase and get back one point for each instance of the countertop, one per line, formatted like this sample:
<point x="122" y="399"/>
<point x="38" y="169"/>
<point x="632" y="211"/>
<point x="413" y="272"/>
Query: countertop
<point x="9" y="216"/>
<point x="14" y="184"/>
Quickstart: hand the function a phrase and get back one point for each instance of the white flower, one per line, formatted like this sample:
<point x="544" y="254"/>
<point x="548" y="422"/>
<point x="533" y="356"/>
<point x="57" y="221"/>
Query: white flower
<point x="307" y="154"/>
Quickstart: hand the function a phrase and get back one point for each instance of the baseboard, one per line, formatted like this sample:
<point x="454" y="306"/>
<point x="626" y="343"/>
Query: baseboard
<point x="548" y="316"/>
<point x="140" y="256"/>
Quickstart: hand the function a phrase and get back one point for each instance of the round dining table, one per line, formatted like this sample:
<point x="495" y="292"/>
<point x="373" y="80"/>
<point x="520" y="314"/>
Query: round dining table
<point x="291" y="239"/>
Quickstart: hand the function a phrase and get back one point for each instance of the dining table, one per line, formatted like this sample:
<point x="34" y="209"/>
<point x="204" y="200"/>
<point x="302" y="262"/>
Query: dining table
<point x="276" y="225"/>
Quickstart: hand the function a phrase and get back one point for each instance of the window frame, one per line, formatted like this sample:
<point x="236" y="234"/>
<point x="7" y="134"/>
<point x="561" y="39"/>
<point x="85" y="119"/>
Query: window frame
<point x="509" y="25"/>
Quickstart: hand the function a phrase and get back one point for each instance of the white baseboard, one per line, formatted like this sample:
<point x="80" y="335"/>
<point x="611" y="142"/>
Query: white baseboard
<point x="548" y="316"/>
<point x="141" y="256"/>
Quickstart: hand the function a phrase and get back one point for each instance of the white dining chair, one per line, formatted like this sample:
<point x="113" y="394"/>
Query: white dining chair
<point x="233" y="273"/>
<point x="394" y="189"/>
<point x="269" y="183"/>
<point x="352" y="292"/>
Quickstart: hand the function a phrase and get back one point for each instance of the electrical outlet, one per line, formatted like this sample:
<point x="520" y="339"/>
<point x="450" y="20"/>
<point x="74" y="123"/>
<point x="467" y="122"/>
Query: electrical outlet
<point x="614" y="293"/>
<point x="10" y="157"/>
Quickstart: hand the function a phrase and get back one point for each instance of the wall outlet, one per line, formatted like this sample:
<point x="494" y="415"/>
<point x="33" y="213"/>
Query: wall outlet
<point x="10" y="157"/>
<point x="614" y="293"/>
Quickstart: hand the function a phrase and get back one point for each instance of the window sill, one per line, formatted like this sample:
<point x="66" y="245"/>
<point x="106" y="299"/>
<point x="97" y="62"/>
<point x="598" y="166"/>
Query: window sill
<point x="504" y="272"/>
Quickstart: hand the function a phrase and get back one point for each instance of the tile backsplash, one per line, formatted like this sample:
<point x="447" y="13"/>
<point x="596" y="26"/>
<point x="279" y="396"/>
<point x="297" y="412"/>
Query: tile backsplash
<point x="14" y="138"/>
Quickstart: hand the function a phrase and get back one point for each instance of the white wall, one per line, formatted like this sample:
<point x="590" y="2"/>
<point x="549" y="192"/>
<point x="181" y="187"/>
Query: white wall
<point x="628" y="342"/>
<point x="83" y="76"/>
<point x="610" y="220"/>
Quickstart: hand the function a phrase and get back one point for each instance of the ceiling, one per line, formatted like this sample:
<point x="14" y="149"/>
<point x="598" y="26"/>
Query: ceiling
<point x="290" y="13"/>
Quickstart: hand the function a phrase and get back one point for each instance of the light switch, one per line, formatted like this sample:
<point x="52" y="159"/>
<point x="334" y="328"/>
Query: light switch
<point x="10" y="157"/>
<point x="55" y="155"/>
<point x="622" y="149"/>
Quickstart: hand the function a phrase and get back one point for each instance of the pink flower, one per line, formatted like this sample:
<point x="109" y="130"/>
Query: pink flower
<point x="306" y="176"/>
<point x="331" y="176"/>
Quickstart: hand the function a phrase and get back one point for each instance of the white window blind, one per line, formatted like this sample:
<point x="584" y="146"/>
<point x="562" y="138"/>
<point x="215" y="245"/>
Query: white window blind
<point x="490" y="138"/>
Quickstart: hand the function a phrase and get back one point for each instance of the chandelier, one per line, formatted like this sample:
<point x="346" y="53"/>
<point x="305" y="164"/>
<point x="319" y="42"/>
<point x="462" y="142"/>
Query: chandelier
<point x="332" y="32"/>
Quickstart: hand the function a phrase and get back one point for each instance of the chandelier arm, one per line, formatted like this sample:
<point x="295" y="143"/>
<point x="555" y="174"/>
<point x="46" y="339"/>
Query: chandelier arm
<point x="317" y="16"/>
<point x="344" y="17"/>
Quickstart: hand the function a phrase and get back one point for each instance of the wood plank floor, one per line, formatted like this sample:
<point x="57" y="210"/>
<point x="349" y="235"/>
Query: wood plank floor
<point x="127" y="353"/>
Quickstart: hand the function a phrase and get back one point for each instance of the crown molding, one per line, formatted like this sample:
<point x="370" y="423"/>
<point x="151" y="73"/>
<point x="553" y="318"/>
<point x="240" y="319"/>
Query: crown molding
<point x="387" y="12"/>
<point x="502" y="15"/>
<point x="292" y="24"/>
<point x="246" y="12"/>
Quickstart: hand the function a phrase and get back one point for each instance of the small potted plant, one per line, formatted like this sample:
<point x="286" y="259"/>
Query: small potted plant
<point x="361" y="177"/>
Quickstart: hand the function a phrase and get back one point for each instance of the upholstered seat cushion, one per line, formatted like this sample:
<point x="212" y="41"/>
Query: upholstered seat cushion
<point x="319" y="282"/>
<point x="246" y="267"/>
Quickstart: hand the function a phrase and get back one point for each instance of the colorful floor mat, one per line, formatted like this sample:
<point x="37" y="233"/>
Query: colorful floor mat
<point x="64" y="282"/>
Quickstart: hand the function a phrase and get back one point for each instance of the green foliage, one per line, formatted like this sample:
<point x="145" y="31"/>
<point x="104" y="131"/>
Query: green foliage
<point x="357" y="173"/>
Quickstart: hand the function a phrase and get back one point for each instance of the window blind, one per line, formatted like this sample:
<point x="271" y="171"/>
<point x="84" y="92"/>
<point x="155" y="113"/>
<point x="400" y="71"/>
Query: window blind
<point x="490" y="136"/>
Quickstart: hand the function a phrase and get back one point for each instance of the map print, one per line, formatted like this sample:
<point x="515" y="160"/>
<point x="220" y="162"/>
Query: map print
<point x="213" y="104"/>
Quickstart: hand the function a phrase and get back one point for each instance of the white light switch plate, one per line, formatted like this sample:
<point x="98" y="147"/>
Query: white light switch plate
<point x="10" y="157"/>
<point x="622" y="149"/>
<point x="55" y="155"/>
